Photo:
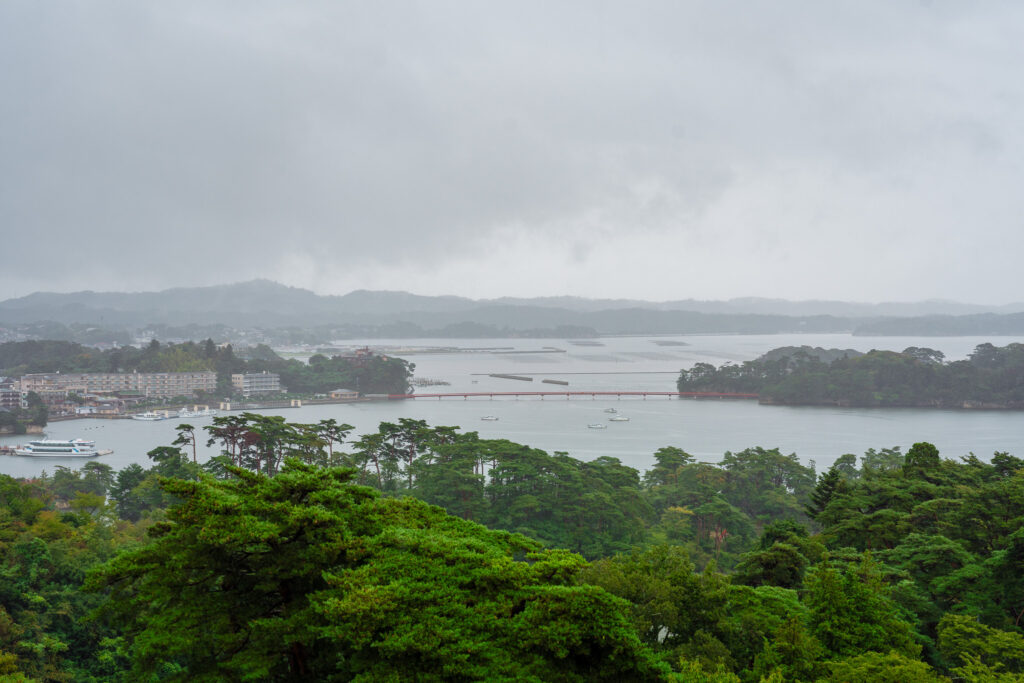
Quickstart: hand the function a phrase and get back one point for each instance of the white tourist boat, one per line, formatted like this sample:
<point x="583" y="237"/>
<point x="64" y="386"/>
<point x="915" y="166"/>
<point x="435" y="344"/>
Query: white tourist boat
<point x="618" y="418"/>
<point x="150" y="416"/>
<point x="489" y="418"/>
<point x="597" y="425"/>
<point x="54" y="448"/>
<point x="610" y="410"/>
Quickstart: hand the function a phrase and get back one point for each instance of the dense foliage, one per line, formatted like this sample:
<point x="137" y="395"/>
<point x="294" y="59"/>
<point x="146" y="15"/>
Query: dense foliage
<point x="374" y="374"/>
<point x="18" y="358"/>
<point x="302" y="554"/>
<point x="992" y="377"/>
<point x="304" y="576"/>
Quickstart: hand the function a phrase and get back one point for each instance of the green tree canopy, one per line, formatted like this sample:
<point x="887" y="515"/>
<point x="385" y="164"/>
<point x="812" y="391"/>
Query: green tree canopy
<point x="305" y="576"/>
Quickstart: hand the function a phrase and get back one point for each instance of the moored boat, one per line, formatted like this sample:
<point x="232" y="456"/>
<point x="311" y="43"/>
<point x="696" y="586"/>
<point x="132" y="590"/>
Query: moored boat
<point x="205" y="412"/>
<point x="150" y="416"/>
<point x="55" y="448"/>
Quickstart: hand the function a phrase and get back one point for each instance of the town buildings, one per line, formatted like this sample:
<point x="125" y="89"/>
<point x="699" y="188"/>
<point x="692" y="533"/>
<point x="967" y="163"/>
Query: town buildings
<point x="53" y="386"/>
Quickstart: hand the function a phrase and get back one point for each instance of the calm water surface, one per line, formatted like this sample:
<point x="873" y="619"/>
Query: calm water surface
<point x="705" y="428"/>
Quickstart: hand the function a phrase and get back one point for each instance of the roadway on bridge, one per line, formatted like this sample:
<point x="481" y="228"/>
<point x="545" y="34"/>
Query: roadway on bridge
<point x="573" y="394"/>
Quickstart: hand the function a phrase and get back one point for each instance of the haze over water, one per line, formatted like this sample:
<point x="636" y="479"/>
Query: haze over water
<point x="705" y="428"/>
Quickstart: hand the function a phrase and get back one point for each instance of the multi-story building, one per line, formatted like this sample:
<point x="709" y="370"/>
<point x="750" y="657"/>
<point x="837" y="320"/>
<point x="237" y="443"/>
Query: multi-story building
<point x="252" y="383"/>
<point x="10" y="398"/>
<point x="156" y="384"/>
<point x="10" y="394"/>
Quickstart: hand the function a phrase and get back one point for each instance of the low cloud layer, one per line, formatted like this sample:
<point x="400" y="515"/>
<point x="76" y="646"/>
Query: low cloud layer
<point x="861" y="151"/>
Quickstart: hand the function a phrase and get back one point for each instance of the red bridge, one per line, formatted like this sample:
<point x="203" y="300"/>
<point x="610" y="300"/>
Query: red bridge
<point x="570" y="394"/>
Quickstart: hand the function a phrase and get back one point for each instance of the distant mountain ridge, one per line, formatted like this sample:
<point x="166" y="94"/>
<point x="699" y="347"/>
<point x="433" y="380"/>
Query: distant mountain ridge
<point x="764" y="306"/>
<point x="280" y="304"/>
<point x="267" y="304"/>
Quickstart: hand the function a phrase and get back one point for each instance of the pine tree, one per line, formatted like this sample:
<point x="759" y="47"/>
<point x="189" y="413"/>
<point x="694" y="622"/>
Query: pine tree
<point x="829" y="484"/>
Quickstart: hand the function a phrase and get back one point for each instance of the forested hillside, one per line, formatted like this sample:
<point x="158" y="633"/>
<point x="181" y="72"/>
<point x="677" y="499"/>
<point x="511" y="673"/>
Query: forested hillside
<point x="302" y="553"/>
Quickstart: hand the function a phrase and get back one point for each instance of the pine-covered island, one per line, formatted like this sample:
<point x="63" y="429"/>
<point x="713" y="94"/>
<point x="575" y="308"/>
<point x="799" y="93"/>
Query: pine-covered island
<point x="991" y="377"/>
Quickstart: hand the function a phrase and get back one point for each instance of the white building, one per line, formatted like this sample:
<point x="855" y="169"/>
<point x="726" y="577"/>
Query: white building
<point x="157" y="384"/>
<point x="253" y="383"/>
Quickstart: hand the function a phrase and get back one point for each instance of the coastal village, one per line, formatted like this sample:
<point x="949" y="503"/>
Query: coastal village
<point x="56" y="396"/>
<point x="118" y="394"/>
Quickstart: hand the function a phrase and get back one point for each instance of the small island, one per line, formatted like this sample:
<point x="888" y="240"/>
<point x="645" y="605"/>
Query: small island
<point x="990" y="378"/>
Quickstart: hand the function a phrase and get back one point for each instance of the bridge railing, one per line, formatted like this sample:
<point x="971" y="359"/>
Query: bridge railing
<point x="570" y="394"/>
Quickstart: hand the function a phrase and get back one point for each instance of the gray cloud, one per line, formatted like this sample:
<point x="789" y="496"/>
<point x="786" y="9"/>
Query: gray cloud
<point x="659" y="150"/>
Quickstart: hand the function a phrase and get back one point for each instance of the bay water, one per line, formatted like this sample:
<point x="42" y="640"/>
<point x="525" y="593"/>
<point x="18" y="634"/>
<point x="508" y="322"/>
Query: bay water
<point x="705" y="428"/>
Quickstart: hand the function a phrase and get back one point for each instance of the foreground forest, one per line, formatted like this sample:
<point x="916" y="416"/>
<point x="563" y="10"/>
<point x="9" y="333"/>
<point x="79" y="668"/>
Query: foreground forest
<point x="991" y="377"/>
<point x="425" y="552"/>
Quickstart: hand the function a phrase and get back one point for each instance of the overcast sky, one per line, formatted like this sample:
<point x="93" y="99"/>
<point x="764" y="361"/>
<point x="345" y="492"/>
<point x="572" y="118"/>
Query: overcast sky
<point x="863" y="151"/>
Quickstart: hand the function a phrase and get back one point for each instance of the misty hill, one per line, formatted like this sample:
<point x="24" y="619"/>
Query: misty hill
<point x="762" y="306"/>
<point x="257" y="303"/>
<point x="262" y="304"/>
<point x="265" y="304"/>
<point x="947" y="325"/>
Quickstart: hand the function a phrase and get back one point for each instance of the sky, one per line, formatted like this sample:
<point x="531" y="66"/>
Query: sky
<point x="861" y="151"/>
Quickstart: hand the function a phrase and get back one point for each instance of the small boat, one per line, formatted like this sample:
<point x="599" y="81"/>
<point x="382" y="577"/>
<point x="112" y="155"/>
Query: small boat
<point x="618" y="418"/>
<point x="149" y="416"/>
<point x="489" y="418"/>
<point x="54" y="448"/>
<point x="610" y="410"/>
<point x="597" y="425"/>
<point x="205" y="412"/>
